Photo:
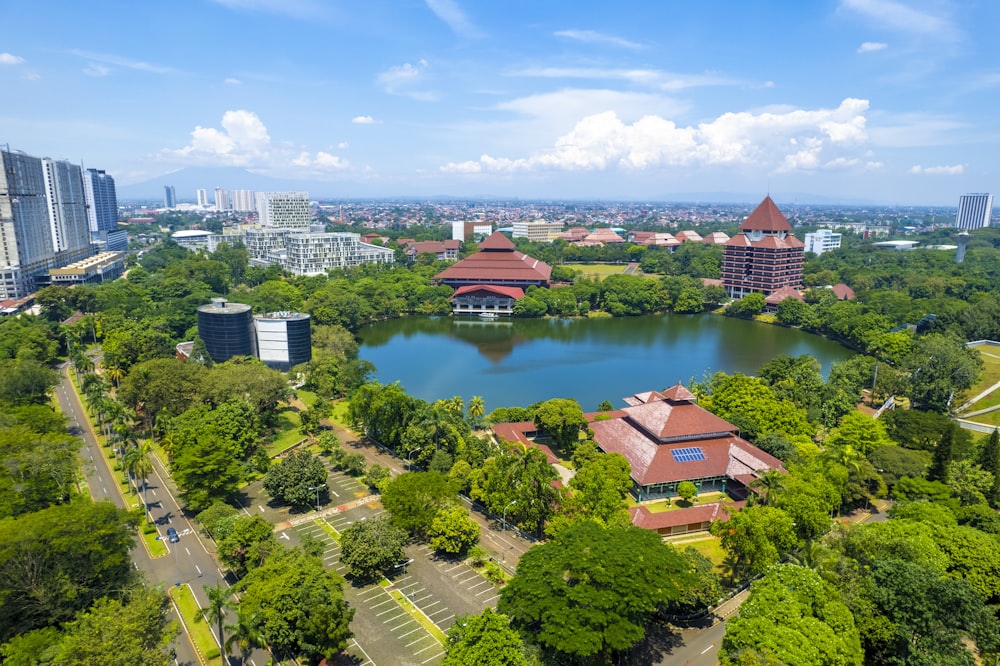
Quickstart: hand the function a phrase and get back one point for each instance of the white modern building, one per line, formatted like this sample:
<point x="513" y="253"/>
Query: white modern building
<point x="169" y="196"/>
<point x="974" y="211"/>
<point x="538" y="231"/>
<point x="222" y="199"/>
<point x="284" y="339"/>
<point x="316" y="253"/>
<point x="822" y="241"/>
<point x="244" y="201"/>
<point x="283" y="210"/>
<point x="462" y="231"/>
<point x="203" y="198"/>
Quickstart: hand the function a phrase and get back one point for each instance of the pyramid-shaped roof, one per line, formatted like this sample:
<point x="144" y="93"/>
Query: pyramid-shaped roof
<point x="497" y="241"/>
<point x="766" y="217"/>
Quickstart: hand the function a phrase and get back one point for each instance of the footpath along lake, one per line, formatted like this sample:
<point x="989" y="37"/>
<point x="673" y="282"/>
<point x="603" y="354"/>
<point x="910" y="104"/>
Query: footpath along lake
<point x="520" y="361"/>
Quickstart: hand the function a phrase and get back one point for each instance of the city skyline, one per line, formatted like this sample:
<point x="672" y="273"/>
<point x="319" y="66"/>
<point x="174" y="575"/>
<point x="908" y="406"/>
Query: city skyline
<point x="882" y="100"/>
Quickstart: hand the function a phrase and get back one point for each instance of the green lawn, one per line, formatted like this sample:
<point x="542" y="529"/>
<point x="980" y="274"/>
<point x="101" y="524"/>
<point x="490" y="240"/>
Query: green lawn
<point x="198" y="629"/>
<point x="308" y="397"/>
<point x="991" y="375"/>
<point x="339" y="413"/>
<point x="431" y="628"/>
<point x="598" y="271"/>
<point x="156" y="548"/>
<point x="288" y="425"/>
<point x="710" y="548"/>
<point x="661" y="506"/>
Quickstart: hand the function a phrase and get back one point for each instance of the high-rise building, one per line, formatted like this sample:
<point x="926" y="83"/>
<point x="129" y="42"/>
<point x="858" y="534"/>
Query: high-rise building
<point x="764" y="256"/>
<point x="202" y="198"/>
<point x="283" y="210"/>
<point x="222" y="199"/>
<point x="169" y="196"/>
<point x="974" y="211"/>
<point x="822" y="241"/>
<point x="244" y="201"/>
<point x="43" y="220"/>
<point x="102" y="201"/>
<point x="316" y="253"/>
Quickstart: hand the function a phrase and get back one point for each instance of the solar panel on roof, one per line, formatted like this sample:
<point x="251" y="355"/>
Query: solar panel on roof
<point x="690" y="454"/>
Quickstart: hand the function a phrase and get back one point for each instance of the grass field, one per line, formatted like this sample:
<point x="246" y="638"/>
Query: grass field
<point x="662" y="506"/>
<point x="339" y="413"/>
<point x="288" y="424"/>
<point x="199" y="631"/>
<point x="598" y="271"/>
<point x="710" y="548"/>
<point x="991" y="375"/>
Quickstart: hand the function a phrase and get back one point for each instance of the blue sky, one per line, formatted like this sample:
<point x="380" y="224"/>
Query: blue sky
<point x="890" y="100"/>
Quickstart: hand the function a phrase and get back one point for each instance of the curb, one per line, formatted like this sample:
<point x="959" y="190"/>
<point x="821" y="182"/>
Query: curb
<point x="187" y="632"/>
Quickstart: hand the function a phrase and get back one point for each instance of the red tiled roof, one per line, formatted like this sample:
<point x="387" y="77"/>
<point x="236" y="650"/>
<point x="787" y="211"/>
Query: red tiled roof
<point x="711" y="282"/>
<point x="510" y="292"/>
<point x="434" y="247"/>
<point x="498" y="265"/>
<point x="766" y="217"/>
<point x="843" y="292"/>
<point x="716" y="238"/>
<point x="604" y="236"/>
<point x="497" y="241"/>
<point x="692" y="236"/>
<point x="679" y="392"/>
<point x="452" y="244"/>
<point x="781" y="294"/>
<point x="518" y="431"/>
<point x="643" y="517"/>
<point x="664" y="419"/>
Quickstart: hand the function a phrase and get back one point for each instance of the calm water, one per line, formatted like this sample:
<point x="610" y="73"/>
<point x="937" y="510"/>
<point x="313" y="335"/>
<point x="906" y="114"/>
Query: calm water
<point x="518" y="362"/>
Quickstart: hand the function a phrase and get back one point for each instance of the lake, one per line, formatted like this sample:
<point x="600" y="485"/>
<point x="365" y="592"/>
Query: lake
<point x="520" y="361"/>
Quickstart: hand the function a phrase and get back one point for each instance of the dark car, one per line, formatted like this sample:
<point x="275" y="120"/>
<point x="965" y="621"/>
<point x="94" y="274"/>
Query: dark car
<point x="172" y="535"/>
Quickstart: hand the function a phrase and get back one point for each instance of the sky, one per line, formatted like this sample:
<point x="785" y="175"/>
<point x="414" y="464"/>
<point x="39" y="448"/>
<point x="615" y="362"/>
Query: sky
<point x="893" y="101"/>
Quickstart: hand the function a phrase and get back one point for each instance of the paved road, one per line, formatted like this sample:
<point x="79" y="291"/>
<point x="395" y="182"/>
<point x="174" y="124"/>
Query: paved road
<point x="189" y="561"/>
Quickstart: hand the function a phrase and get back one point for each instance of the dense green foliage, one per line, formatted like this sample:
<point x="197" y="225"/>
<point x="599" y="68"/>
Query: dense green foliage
<point x="370" y="548"/>
<point x="486" y="638"/>
<point x="296" y="479"/>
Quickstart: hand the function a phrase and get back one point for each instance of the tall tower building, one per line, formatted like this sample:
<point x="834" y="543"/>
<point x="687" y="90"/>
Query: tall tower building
<point x="244" y="201"/>
<point x="222" y="200"/>
<point x="764" y="256"/>
<point x="974" y="211"/>
<point x="43" y="220"/>
<point x="169" y="197"/>
<point x="102" y="211"/>
<point x="202" y="198"/>
<point x="283" y="210"/>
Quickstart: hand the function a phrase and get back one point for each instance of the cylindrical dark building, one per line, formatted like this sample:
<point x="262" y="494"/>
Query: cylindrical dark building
<point x="227" y="329"/>
<point x="284" y="339"/>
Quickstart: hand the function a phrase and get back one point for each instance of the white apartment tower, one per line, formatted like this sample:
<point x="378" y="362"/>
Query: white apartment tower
<point x="203" y="198"/>
<point x="67" y="207"/>
<point x="283" y="210"/>
<point x="244" y="201"/>
<point x="222" y="199"/>
<point x="974" y="211"/>
<point x="822" y="241"/>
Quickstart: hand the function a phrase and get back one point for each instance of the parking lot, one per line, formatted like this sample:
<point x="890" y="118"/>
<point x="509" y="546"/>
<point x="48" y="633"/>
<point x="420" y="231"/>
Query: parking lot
<point x="340" y="489"/>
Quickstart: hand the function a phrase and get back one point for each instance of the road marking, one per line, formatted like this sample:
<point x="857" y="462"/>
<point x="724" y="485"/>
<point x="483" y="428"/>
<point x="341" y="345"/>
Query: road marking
<point x="198" y="568"/>
<point x="335" y="493"/>
<point x="708" y="648"/>
<point x="284" y="535"/>
<point x="261" y="508"/>
<point x="187" y="551"/>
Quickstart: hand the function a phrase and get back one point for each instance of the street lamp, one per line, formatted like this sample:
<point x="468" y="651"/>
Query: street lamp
<point x="512" y="503"/>
<point x="403" y="566"/>
<point x="317" y="489"/>
<point x="409" y="458"/>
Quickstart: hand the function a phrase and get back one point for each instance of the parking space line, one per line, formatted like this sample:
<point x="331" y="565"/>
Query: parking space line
<point x="417" y="628"/>
<point x="403" y="624"/>
<point x="479" y="594"/>
<point x="460" y="564"/>
<point x="429" y="647"/>
<point x="433" y="658"/>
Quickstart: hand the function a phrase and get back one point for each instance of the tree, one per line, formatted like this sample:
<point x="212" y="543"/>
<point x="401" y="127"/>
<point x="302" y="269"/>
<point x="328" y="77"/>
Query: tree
<point x="687" y="490"/>
<point x="376" y="475"/>
<point x="205" y="471"/>
<point x="298" y="606"/>
<point x="477" y="408"/>
<point x="25" y="382"/>
<point x="218" y="605"/>
<point x="599" y="489"/>
<point x="59" y="560"/>
<point x="756" y="538"/>
<point x="591" y="590"/>
<point x="119" y="633"/>
<point x="414" y="499"/>
<point x="245" y="635"/>
<point x="939" y="368"/>
<point x="249" y="541"/>
<point x="486" y="638"/>
<point x="943" y="455"/>
<point x="37" y="469"/>
<point x="453" y="531"/>
<point x="370" y="547"/>
<point x="562" y="420"/>
<point x="748" y="306"/>
<point x="520" y="481"/>
<point x="793" y="617"/>
<point x="860" y="432"/>
<point x="295" y="478"/>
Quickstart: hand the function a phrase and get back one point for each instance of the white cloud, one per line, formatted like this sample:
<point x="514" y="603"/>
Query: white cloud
<point x="96" y="70"/>
<point x="784" y="140"/>
<point x="406" y="80"/>
<point x="364" y="120"/>
<point x="869" y="47"/>
<point x="300" y="9"/>
<point x="594" y="37"/>
<point x="943" y="170"/>
<point x="449" y="12"/>
<point x="10" y="59"/>
<point x="322" y="161"/>
<point x="119" y="61"/>
<point x="242" y="141"/>
<point x="651" y="78"/>
<point x="232" y="81"/>
<point x="897" y="16"/>
<point x="343" y="145"/>
<point x="911" y="130"/>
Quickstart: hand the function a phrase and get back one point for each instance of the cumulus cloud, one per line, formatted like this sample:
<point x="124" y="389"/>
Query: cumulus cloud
<point x="363" y="120"/>
<point x="869" y="47"/>
<point x="450" y="12"/>
<point x="343" y="145"/>
<point x="407" y="80"/>
<point x="943" y="170"/>
<point x="232" y="81"/>
<point x="10" y="59"/>
<point x="782" y="140"/>
<point x="244" y="141"/>
<point x="594" y="37"/>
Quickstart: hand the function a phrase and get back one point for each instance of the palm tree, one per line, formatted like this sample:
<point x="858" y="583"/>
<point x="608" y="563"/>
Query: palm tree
<point x="215" y="611"/>
<point x="115" y="374"/>
<point x="477" y="409"/>
<point x="139" y="464"/>
<point x="245" y="634"/>
<point x="770" y="482"/>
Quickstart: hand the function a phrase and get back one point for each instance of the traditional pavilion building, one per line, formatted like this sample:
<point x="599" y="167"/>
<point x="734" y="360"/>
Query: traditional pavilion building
<point x="490" y="281"/>
<point x="764" y="256"/>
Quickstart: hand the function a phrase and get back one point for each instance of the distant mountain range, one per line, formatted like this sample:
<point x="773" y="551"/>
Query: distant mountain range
<point x="188" y="181"/>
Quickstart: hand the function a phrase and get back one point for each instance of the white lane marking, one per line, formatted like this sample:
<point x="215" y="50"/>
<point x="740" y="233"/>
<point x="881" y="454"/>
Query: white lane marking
<point x="708" y="648"/>
<point x="187" y="551"/>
